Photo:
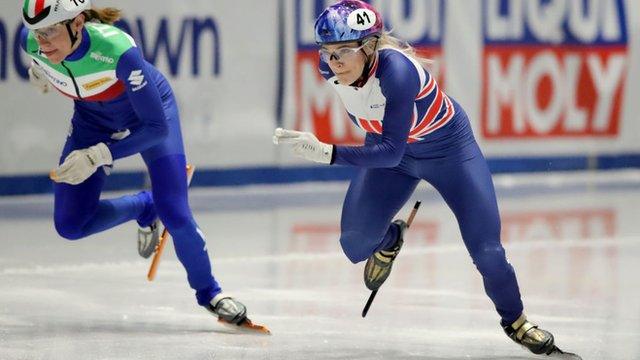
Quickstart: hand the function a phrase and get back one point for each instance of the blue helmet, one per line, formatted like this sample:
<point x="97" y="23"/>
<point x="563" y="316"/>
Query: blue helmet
<point x="348" y="20"/>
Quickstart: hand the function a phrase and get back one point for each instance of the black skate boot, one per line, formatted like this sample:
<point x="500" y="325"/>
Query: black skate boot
<point x="378" y="266"/>
<point x="527" y="334"/>
<point x="228" y="309"/>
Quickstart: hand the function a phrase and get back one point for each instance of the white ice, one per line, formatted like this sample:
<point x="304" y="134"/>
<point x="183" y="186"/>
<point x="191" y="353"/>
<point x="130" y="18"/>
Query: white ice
<point x="573" y="239"/>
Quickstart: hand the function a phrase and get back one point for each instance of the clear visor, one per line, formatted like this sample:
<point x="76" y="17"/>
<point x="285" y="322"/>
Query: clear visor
<point x="341" y="54"/>
<point x="50" y="32"/>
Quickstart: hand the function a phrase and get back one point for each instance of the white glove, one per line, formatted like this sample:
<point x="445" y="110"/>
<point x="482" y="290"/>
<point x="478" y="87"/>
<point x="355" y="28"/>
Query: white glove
<point x="80" y="164"/>
<point x="305" y="145"/>
<point x="38" y="78"/>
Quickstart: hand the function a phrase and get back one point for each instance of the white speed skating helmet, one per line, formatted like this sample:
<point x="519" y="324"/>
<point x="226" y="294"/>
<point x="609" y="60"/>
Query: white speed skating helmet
<point x="37" y="14"/>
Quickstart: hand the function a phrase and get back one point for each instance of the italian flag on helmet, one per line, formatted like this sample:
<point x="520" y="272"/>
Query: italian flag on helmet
<point x="37" y="14"/>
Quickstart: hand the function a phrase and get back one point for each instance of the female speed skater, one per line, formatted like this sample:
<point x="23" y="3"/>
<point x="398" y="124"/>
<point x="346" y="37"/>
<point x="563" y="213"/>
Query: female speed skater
<point x="414" y="132"/>
<point x="122" y="106"/>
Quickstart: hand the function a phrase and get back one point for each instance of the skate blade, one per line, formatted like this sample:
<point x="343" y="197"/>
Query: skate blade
<point x="248" y="325"/>
<point x="559" y="354"/>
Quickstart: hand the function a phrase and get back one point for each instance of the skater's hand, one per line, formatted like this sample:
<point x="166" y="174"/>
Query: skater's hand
<point x="38" y="78"/>
<point x="305" y="145"/>
<point x="80" y="164"/>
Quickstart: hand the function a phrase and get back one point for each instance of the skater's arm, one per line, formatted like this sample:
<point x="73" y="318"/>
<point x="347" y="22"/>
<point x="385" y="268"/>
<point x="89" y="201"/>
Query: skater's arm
<point x="143" y="93"/>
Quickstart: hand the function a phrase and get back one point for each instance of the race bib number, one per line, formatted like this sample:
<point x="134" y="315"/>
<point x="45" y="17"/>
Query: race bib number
<point x="361" y="19"/>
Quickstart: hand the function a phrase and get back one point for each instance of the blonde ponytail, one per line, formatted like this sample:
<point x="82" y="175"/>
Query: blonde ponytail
<point x="389" y="41"/>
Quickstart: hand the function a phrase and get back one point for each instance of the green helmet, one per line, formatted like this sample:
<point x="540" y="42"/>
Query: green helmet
<point x="37" y="14"/>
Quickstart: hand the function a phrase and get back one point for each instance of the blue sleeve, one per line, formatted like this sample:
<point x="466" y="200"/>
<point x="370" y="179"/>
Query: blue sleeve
<point x="400" y="84"/>
<point x="143" y="93"/>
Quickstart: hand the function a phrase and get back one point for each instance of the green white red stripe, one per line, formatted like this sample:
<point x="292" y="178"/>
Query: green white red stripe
<point x="33" y="7"/>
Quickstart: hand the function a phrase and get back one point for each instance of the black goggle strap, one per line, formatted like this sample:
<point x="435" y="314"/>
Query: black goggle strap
<point x="72" y="36"/>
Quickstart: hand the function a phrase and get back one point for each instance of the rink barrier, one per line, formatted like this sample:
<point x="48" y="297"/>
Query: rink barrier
<point x="40" y="183"/>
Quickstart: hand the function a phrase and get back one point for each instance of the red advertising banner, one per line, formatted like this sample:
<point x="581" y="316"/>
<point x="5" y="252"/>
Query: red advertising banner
<point x="551" y="72"/>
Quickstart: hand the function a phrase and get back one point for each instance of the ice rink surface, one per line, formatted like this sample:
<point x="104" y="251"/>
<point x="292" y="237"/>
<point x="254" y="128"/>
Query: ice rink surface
<point x="574" y="240"/>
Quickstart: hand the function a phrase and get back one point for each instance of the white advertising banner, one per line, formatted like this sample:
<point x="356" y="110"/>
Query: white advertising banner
<point x="537" y="78"/>
<point x="219" y="57"/>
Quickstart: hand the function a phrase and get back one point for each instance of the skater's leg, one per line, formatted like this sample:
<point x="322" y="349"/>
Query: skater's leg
<point x="467" y="187"/>
<point x="168" y="178"/>
<point x="374" y="197"/>
<point x="166" y="164"/>
<point x="78" y="212"/>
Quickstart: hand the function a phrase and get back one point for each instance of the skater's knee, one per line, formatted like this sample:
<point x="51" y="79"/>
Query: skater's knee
<point x="174" y="214"/>
<point x="175" y="221"/>
<point x="68" y="228"/>
<point x="354" y="244"/>
<point x="490" y="260"/>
